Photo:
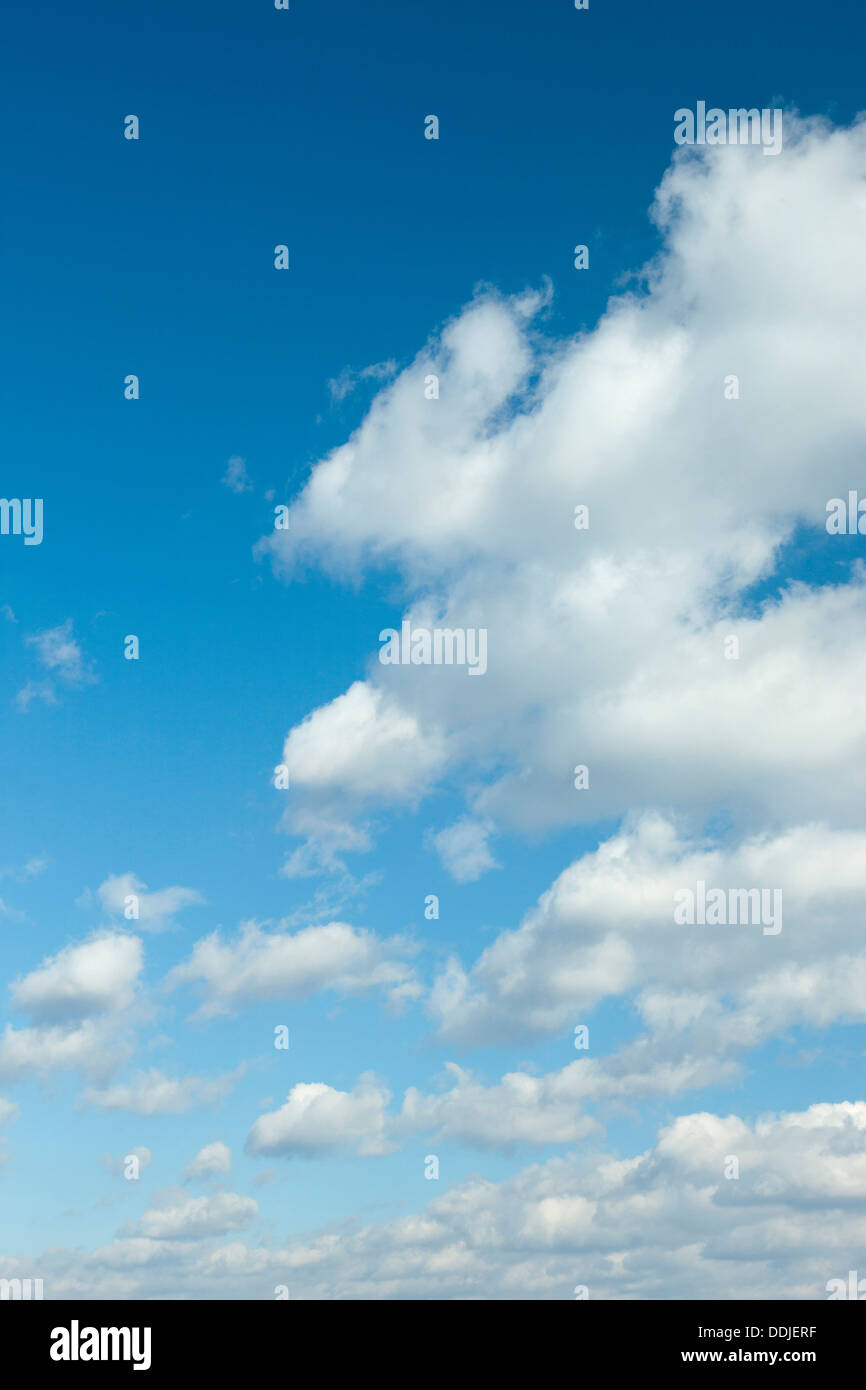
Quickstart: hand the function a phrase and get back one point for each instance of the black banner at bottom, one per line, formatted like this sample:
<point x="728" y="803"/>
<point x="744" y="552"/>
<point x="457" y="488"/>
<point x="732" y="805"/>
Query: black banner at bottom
<point x="154" y="1338"/>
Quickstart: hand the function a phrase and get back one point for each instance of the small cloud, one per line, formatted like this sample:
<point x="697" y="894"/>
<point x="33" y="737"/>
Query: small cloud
<point x="235" y="477"/>
<point x="212" y="1159"/>
<point x="463" y="849"/>
<point x="35" y="866"/>
<point x="36" y="690"/>
<point x="177" y="1216"/>
<point x="8" y="614"/>
<point x="345" y="383"/>
<point x="60" y="654"/>
<point x="317" y="1119"/>
<point x="124" y="894"/>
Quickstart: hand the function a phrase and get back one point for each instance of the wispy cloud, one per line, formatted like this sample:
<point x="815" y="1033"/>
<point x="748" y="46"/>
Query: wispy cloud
<point x="59" y="653"/>
<point x="236" y="478"/>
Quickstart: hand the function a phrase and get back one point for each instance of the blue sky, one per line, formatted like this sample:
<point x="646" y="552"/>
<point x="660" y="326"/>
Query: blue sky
<point x="156" y="257"/>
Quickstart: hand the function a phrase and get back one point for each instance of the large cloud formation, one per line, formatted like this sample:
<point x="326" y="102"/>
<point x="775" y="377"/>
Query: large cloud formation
<point x="607" y="645"/>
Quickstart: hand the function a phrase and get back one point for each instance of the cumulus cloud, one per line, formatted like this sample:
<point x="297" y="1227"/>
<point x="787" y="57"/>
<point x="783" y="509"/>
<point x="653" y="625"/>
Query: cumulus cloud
<point x="210" y="1161"/>
<point x="365" y="742"/>
<point x="318" y="1119"/>
<point x="522" y="1109"/>
<point x="84" y="1002"/>
<point x="606" y="927"/>
<point x="608" y="646"/>
<point x="519" y="1110"/>
<point x="649" y="1226"/>
<point x="95" y="1047"/>
<point x="260" y="964"/>
<point x="367" y="745"/>
<point x="464" y="850"/>
<point x="181" y="1217"/>
<point x="96" y="977"/>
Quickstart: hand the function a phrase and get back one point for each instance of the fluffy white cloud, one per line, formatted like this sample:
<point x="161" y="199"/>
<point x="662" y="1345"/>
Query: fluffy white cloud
<point x="210" y="1161"/>
<point x="364" y="742"/>
<point x="181" y="1217"/>
<point x="85" y="1002"/>
<point x="94" y="1046"/>
<point x="606" y="646"/>
<point x="318" y="1119"/>
<point x="606" y="927"/>
<point x="96" y="977"/>
<point x="524" y="1109"/>
<point x="463" y="849"/>
<point x="260" y="965"/>
<point x="519" y="1110"/>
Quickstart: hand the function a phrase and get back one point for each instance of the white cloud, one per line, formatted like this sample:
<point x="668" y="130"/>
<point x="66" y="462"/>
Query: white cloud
<point x="606" y="645"/>
<point x="98" y="976"/>
<point x="365" y="742"/>
<point x="606" y="928"/>
<point x="463" y="849"/>
<point x="32" y="869"/>
<point x="235" y="477"/>
<point x="318" y="1119"/>
<point x="327" y="837"/>
<point x="211" y="1160"/>
<point x="346" y="382"/>
<point x="60" y="653"/>
<point x="94" y="1046"/>
<point x="153" y="1093"/>
<point x="524" y="1109"/>
<point x="155" y="910"/>
<point x="36" y="690"/>
<point x="360" y="747"/>
<point x="261" y="965"/>
<point x="520" y="1109"/>
<point x="182" y="1217"/>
